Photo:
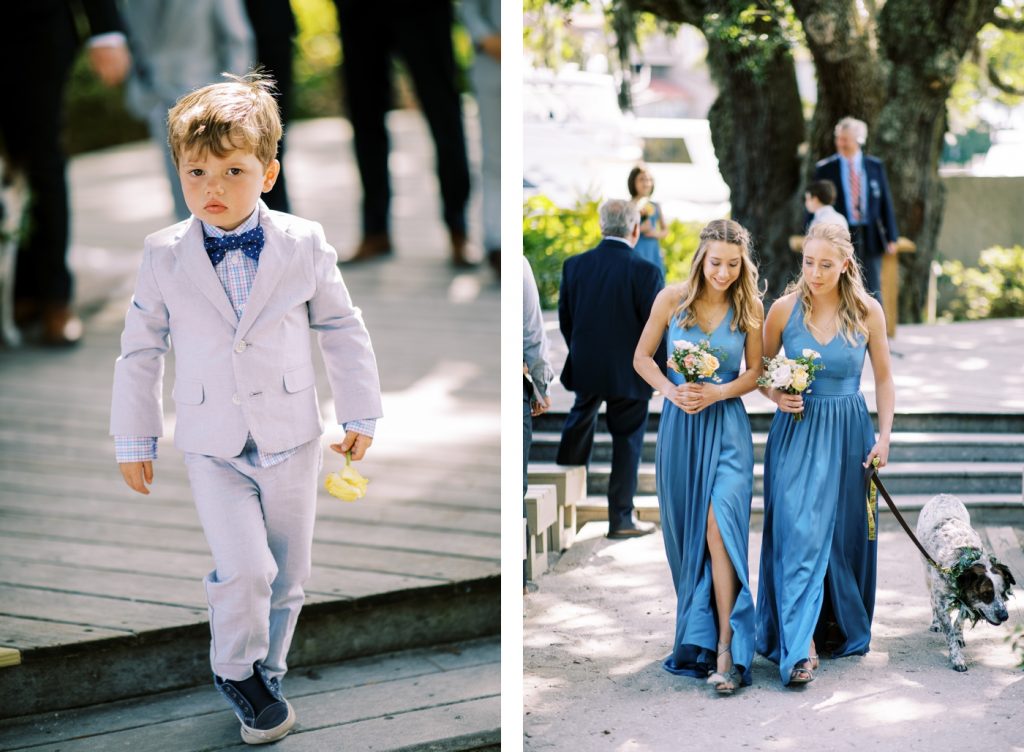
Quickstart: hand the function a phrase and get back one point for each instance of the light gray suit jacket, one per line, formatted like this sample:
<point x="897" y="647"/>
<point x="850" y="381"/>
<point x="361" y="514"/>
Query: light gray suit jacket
<point x="235" y="377"/>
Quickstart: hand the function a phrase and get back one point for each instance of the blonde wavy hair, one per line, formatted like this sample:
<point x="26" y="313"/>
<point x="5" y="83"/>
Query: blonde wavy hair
<point x="744" y="295"/>
<point x="853" y="297"/>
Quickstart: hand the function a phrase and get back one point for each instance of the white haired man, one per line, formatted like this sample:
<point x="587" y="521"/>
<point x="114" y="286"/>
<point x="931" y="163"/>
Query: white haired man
<point x="605" y="300"/>
<point x="863" y="197"/>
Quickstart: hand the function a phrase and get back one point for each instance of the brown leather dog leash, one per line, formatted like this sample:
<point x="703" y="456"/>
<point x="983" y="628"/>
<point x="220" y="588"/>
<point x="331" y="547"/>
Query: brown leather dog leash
<point x="871" y="475"/>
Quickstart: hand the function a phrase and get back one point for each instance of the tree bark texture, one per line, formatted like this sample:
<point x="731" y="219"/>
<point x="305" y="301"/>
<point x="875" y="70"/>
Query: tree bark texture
<point x="924" y="43"/>
<point x="890" y="64"/>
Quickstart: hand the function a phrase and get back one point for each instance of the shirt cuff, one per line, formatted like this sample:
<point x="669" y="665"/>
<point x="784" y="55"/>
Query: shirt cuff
<point x="364" y="427"/>
<point x="135" y="448"/>
<point x="108" y="39"/>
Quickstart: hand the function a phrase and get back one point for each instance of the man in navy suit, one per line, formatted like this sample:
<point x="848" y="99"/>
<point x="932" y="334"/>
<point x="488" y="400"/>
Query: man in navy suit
<point x="863" y="197"/>
<point x="605" y="300"/>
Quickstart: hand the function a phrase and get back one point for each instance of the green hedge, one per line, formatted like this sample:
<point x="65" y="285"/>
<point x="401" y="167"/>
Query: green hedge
<point x="993" y="290"/>
<point x="551" y="234"/>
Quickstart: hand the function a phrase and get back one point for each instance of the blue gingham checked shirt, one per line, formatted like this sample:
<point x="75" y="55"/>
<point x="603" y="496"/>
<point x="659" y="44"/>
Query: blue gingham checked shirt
<point x="237" y="273"/>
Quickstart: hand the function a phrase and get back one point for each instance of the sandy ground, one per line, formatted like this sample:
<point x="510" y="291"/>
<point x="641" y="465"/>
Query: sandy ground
<point x="602" y="622"/>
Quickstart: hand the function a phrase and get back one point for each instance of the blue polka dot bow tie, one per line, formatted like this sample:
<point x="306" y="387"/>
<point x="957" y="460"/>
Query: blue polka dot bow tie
<point x="250" y="243"/>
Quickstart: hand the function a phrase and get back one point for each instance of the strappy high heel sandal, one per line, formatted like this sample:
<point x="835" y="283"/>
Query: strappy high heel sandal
<point x="803" y="672"/>
<point x="729" y="682"/>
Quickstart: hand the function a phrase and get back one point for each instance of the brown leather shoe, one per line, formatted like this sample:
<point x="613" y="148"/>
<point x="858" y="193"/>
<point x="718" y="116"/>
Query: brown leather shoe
<point x="61" y="327"/>
<point x="460" y="243"/>
<point x="372" y="247"/>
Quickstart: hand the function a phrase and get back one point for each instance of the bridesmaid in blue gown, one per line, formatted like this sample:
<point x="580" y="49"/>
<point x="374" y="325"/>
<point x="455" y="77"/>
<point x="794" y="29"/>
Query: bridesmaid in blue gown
<point x="705" y="457"/>
<point x="817" y="581"/>
<point x="652" y="224"/>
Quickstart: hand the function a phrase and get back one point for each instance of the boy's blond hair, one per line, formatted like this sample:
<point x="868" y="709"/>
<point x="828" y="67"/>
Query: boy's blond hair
<point x="237" y="114"/>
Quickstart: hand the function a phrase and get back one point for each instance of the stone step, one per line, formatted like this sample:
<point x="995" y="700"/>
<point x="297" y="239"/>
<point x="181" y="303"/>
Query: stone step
<point x="951" y="422"/>
<point x="904" y="447"/>
<point x="899" y="477"/>
<point x="595" y="508"/>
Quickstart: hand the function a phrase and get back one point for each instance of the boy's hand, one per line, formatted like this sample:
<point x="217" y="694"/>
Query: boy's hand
<point x="357" y="442"/>
<point x="137" y="475"/>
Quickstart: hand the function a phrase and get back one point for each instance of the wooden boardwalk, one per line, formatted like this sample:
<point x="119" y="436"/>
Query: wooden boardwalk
<point x="401" y="701"/>
<point x="86" y="563"/>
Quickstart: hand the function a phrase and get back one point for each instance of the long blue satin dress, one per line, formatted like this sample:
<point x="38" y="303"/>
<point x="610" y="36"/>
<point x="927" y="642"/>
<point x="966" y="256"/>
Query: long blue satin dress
<point x="817" y="564"/>
<point x="703" y="460"/>
<point x="650" y="248"/>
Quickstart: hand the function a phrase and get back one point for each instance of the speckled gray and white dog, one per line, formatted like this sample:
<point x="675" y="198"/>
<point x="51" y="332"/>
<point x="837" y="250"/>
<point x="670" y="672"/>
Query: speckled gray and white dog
<point x="976" y="586"/>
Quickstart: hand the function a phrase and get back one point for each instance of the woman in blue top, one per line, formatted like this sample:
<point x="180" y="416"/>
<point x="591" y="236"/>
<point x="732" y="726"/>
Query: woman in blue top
<point x="817" y="582"/>
<point x="705" y="456"/>
<point x="652" y="223"/>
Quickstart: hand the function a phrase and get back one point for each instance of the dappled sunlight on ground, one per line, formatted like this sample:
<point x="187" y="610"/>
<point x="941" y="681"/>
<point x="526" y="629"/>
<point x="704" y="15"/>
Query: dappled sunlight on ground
<point x="602" y="621"/>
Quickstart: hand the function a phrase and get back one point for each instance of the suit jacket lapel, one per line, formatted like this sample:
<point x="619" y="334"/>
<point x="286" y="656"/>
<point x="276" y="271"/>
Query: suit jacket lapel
<point x="196" y="263"/>
<point x="276" y="256"/>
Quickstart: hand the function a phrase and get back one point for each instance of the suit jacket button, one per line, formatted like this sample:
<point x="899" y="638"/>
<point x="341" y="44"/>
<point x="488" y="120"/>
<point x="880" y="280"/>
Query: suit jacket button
<point x="236" y="399"/>
<point x="240" y="347"/>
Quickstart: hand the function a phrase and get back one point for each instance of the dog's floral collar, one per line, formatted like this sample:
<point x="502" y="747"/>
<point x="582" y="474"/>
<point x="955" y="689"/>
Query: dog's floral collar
<point x="968" y="558"/>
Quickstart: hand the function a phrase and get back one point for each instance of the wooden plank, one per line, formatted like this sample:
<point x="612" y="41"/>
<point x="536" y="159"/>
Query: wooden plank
<point x="388" y="514"/>
<point x="135" y="586"/>
<point x="93" y="611"/>
<point x="402" y="556"/>
<point x="428" y="704"/>
<point x="26" y="634"/>
<point x="333" y="581"/>
<point x="124" y="715"/>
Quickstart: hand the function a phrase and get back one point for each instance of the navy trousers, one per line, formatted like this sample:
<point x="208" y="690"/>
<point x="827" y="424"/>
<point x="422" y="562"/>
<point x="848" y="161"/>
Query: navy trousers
<point x="871" y="265"/>
<point x="627" y="419"/>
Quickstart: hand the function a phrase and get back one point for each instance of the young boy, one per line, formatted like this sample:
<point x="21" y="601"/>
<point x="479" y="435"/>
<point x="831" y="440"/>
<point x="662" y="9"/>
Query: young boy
<point x="818" y="200"/>
<point x="237" y="288"/>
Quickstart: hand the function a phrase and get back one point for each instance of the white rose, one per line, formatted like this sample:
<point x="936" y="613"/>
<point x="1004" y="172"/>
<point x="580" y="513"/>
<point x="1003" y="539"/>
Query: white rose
<point x="812" y="354"/>
<point x="781" y="377"/>
<point x="682" y="344"/>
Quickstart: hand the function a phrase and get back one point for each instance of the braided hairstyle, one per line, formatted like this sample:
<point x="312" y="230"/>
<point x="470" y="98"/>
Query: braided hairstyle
<point x="744" y="295"/>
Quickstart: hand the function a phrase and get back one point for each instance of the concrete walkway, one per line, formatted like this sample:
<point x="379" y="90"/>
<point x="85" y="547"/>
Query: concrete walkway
<point x="602" y="621"/>
<point x="965" y="367"/>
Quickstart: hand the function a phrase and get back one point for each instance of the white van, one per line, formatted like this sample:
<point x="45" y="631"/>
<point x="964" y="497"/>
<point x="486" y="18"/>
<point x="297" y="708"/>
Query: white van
<point x="681" y="157"/>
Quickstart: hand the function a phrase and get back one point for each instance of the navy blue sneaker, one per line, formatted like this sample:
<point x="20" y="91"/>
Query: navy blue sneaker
<point x="264" y="713"/>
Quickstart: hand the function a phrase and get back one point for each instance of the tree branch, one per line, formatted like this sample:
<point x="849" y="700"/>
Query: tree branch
<point x="1000" y="83"/>
<point x="1008" y="24"/>
<point x="677" y="11"/>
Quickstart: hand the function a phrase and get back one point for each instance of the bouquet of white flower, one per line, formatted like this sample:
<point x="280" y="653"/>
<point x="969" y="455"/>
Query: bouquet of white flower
<point x="695" y="361"/>
<point x="792" y="375"/>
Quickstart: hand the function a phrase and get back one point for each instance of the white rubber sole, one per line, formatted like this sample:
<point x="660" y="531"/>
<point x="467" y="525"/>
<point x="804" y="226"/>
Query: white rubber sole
<point x="258" y="736"/>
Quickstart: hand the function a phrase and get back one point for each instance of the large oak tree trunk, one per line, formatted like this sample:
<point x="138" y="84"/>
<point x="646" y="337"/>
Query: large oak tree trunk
<point x="757" y="127"/>
<point x="892" y="68"/>
<point x="924" y="41"/>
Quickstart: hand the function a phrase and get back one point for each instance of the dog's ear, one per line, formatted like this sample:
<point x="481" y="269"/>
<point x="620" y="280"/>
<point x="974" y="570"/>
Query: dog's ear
<point x="971" y="579"/>
<point x="1005" y="572"/>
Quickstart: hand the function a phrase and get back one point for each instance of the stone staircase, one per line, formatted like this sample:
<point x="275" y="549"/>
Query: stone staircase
<point x="978" y="457"/>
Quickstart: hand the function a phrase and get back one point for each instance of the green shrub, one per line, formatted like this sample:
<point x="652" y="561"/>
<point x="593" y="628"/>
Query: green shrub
<point x="551" y="234"/>
<point x="993" y="290"/>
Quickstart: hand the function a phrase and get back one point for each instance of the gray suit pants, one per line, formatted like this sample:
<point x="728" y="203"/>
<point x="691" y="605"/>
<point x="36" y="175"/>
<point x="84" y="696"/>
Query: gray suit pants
<point x="259" y="526"/>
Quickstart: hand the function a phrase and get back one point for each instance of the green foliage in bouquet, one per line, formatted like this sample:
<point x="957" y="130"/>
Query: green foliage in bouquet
<point x="993" y="290"/>
<point x="552" y="233"/>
